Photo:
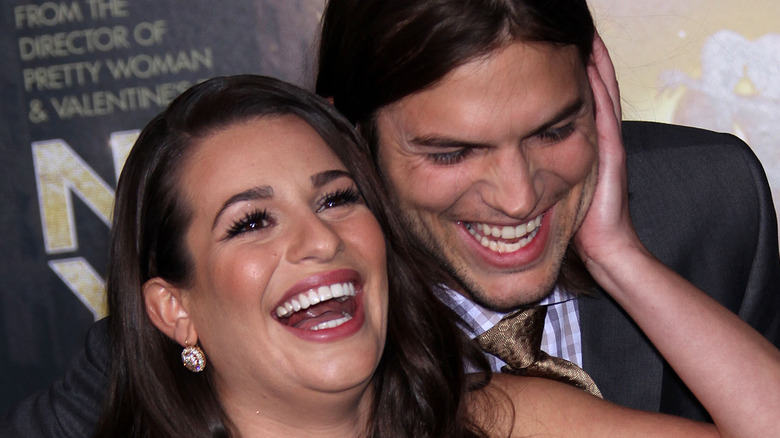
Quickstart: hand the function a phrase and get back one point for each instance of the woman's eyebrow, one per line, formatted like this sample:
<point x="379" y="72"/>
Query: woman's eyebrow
<point x="322" y="178"/>
<point x="260" y="192"/>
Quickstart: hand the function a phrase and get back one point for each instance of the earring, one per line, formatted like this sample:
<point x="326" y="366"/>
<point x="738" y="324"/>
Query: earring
<point x="193" y="358"/>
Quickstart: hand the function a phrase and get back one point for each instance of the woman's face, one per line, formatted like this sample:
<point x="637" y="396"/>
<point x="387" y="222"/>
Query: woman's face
<point x="289" y="297"/>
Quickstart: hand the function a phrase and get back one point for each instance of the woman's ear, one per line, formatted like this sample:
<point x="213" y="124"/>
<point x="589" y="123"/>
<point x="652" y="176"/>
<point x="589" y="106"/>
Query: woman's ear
<point x="168" y="312"/>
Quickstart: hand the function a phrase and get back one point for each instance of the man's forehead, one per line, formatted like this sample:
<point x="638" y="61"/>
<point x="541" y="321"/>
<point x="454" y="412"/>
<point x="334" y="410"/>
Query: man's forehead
<point x="521" y="86"/>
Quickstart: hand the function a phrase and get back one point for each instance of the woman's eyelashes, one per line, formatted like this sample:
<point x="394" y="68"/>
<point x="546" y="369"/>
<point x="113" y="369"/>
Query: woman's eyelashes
<point x="341" y="197"/>
<point x="259" y="220"/>
<point x="255" y="220"/>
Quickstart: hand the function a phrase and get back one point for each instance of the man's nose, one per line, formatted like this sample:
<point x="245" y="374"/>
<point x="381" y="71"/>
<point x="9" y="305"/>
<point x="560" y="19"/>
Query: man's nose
<point x="313" y="239"/>
<point x="509" y="184"/>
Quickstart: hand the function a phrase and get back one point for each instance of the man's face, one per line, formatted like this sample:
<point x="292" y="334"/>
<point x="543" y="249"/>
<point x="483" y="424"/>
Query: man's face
<point x="494" y="168"/>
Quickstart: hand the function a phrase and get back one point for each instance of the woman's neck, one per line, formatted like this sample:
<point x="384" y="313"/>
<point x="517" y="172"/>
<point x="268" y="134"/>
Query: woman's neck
<point x="340" y="415"/>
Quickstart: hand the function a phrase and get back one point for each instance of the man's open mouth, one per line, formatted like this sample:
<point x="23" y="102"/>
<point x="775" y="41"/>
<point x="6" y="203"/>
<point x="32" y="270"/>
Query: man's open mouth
<point x="321" y="308"/>
<point x="504" y="239"/>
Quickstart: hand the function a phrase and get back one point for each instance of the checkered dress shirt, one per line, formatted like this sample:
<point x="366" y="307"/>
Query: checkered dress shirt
<point x="561" y="336"/>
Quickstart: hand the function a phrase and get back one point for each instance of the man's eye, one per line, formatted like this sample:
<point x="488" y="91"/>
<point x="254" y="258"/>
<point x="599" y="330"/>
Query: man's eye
<point x="449" y="157"/>
<point x="555" y="135"/>
<point x="253" y="221"/>
<point x="339" y="198"/>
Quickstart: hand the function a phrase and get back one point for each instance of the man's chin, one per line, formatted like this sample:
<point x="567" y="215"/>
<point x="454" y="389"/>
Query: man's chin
<point x="509" y="302"/>
<point x="484" y="288"/>
<point x="505" y="296"/>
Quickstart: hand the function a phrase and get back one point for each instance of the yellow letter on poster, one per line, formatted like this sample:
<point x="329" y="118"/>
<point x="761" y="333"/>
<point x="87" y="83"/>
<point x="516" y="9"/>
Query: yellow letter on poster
<point x="59" y="174"/>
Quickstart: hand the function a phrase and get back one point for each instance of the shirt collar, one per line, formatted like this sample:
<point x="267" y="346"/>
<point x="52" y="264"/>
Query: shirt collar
<point x="478" y="319"/>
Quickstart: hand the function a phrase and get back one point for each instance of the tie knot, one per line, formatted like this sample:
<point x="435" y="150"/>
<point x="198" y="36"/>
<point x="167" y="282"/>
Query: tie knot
<point x="517" y="338"/>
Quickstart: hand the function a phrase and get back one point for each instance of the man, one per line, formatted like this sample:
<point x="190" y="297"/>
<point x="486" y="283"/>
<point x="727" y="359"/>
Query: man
<point x="490" y="150"/>
<point x="487" y="142"/>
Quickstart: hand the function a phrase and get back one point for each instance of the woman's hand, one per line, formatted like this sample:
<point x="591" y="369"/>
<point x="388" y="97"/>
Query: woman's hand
<point x="606" y="70"/>
<point x="739" y="382"/>
<point x="607" y="229"/>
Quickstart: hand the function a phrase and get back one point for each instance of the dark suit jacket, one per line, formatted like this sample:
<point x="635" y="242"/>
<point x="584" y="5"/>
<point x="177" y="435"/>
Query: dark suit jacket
<point x="701" y="204"/>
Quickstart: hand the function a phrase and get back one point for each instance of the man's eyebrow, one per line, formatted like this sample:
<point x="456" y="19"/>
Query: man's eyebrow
<point x="322" y="178"/>
<point x="261" y="192"/>
<point x="568" y="111"/>
<point x="434" y="141"/>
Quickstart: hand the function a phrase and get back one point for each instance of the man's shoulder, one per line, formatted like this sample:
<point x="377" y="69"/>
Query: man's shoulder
<point x="647" y="138"/>
<point x="700" y="201"/>
<point x="662" y="135"/>
<point x="662" y="154"/>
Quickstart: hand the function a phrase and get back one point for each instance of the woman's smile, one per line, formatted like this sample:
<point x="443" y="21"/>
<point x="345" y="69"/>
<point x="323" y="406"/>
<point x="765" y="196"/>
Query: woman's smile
<point x="290" y="263"/>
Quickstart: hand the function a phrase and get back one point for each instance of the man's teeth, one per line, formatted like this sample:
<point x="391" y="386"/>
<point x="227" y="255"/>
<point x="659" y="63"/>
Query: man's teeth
<point x="525" y="232"/>
<point x="507" y="232"/>
<point x="311" y="297"/>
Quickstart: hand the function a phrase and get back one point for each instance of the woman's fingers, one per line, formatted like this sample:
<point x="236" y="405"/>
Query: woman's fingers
<point x="607" y="224"/>
<point x="606" y="69"/>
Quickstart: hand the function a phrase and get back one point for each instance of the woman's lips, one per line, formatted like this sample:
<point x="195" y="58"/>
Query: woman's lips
<point x="324" y="307"/>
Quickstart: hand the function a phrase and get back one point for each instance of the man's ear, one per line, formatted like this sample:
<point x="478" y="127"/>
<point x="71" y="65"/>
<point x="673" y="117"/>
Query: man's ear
<point x="168" y="312"/>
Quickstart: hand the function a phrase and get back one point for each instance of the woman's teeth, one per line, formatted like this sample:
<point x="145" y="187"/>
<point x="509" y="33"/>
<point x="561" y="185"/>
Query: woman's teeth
<point x="333" y="323"/>
<point x="525" y="232"/>
<point x="312" y="297"/>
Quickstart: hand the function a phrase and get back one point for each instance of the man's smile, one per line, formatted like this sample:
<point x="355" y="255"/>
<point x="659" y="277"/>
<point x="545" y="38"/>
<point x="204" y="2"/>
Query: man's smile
<point x="504" y="238"/>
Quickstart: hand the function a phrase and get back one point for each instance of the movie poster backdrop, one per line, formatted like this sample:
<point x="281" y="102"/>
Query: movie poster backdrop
<point x="80" y="78"/>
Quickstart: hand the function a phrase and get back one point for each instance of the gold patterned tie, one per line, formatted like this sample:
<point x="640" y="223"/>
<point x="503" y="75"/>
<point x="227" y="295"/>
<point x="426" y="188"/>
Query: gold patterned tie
<point x="517" y="340"/>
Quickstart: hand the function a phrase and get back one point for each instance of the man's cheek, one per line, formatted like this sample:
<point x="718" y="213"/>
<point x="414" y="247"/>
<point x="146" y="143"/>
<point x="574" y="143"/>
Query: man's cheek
<point x="423" y="187"/>
<point x="572" y="163"/>
<point x="583" y="155"/>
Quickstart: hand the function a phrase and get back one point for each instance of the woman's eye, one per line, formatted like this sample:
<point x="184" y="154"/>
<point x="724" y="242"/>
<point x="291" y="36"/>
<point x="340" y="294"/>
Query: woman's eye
<point x="555" y="135"/>
<point x="449" y="157"/>
<point x="339" y="198"/>
<point x="254" y="221"/>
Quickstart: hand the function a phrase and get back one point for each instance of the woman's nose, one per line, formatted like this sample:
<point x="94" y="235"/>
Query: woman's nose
<point x="313" y="239"/>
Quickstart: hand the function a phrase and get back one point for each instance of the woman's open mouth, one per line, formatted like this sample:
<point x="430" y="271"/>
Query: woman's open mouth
<point x="319" y="308"/>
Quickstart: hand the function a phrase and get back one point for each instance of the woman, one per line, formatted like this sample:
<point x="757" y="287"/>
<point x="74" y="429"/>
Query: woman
<point x="239" y="208"/>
